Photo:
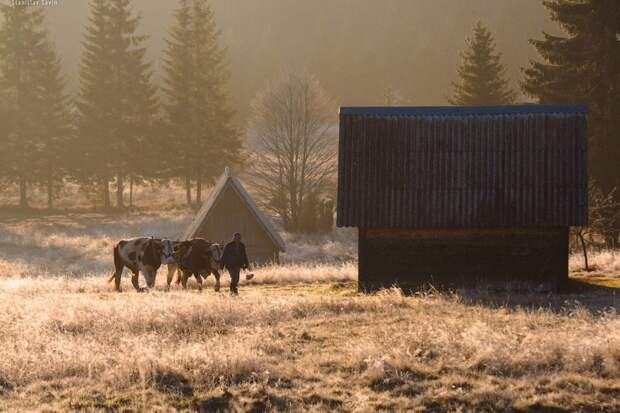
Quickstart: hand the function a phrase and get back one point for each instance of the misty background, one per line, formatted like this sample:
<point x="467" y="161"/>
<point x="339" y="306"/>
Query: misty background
<point x="356" y="48"/>
<point x="173" y="92"/>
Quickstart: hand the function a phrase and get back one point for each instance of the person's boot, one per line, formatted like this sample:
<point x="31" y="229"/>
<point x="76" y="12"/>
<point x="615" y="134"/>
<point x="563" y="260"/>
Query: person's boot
<point x="234" y="292"/>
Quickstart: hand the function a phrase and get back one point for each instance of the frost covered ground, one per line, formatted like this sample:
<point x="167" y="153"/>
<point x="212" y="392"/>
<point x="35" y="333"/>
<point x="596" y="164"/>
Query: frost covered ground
<point x="299" y="338"/>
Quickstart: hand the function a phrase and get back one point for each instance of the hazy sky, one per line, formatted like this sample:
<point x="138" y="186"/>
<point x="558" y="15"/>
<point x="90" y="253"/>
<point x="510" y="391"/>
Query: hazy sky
<point x="357" y="48"/>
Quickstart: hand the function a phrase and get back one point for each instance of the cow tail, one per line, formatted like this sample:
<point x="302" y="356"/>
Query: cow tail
<point x="117" y="263"/>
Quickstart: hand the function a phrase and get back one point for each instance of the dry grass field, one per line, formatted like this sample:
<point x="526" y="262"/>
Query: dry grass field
<point x="298" y="338"/>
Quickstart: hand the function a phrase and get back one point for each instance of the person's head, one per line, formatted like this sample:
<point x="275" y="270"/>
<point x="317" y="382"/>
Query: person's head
<point x="237" y="237"/>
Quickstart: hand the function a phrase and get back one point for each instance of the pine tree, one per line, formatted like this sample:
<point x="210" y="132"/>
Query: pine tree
<point x="583" y="66"/>
<point x="53" y="133"/>
<point x="22" y="39"/>
<point x="481" y="75"/>
<point x="117" y="98"/>
<point x="202" y="139"/>
<point x="135" y="114"/>
<point x="95" y="102"/>
<point x="178" y="67"/>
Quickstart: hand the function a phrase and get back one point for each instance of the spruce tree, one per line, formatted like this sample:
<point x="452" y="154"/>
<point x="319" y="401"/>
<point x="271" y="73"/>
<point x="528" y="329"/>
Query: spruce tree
<point x="95" y="102"/>
<point x="481" y="75"/>
<point x="117" y="98"/>
<point x="139" y="104"/>
<point x="22" y="39"/>
<point x="202" y="138"/>
<point x="53" y="132"/>
<point x="178" y="68"/>
<point x="583" y="66"/>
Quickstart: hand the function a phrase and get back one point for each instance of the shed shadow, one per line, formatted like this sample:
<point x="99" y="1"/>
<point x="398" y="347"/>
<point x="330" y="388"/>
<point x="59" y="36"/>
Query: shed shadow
<point x="575" y="294"/>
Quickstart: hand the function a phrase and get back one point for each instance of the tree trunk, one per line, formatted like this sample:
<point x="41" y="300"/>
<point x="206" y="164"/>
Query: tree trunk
<point x="120" y="188"/>
<point x="294" y="218"/>
<point x="585" y="251"/>
<point x="188" y="189"/>
<point x="131" y="191"/>
<point x="23" y="193"/>
<point x="50" y="193"/>
<point x="198" y="190"/>
<point x="106" y="192"/>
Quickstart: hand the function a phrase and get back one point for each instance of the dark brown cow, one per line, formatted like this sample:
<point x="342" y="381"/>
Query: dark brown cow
<point x="199" y="258"/>
<point x="139" y="255"/>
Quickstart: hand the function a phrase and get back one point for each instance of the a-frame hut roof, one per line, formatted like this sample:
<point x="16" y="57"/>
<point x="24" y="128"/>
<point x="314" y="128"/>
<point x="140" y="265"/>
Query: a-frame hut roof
<point x="228" y="179"/>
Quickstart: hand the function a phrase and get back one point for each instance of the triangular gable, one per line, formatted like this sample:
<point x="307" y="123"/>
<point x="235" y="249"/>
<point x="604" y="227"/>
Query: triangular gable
<point x="229" y="179"/>
<point x="193" y="228"/>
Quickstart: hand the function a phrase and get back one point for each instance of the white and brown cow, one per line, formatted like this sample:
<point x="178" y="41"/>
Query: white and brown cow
<point x="140" y="255"/>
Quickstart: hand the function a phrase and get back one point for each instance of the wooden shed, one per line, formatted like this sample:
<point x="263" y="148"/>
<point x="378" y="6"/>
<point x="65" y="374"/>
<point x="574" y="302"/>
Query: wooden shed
<point x="229" y="209"/>
<point x="463" y="196"/>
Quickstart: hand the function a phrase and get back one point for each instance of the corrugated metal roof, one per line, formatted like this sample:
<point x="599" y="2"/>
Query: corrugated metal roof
<point x="459" y="110"/>
<point x="462" y="166"/>
<point x="226" y="179"/>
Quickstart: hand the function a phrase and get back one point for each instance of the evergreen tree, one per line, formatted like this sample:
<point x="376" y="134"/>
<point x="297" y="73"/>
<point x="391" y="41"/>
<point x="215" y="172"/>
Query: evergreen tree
<point x="117" y="98"/>
<point x="202" y="139"/>
<point x="95" y="102"/>
<point x="178" y="69"/>
<point x="22" y="39"/>
<point x="53" y="132"/>
<point x="583" y="66"/>
<point x="481" y="75"/>
<point x="135" y="117"/>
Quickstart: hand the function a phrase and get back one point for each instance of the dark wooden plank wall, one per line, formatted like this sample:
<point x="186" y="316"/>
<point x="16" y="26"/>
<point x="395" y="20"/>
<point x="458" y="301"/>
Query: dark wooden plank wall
<point x="230" y="215"/>
<point x="520" y="257"/>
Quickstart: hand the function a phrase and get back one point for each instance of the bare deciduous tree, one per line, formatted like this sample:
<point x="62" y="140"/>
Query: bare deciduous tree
<point x="292" y="139"/>
<point x="603" y="214"/>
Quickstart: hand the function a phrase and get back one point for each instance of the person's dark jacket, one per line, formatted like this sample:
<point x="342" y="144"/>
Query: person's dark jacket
<point x="234" y="256"/>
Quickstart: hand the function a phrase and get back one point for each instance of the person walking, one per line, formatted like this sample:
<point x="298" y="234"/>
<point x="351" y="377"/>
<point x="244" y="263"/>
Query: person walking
<point x="234" y="259"/>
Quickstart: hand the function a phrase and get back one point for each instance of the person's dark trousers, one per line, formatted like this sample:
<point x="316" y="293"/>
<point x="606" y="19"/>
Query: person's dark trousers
<point x="234" y="279"/>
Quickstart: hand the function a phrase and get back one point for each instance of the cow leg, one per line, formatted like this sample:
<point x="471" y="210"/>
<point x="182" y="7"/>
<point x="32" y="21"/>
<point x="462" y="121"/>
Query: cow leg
<point x="118" y="272"/>
<point x="172" y="268"/>
<point x="180" y="276"/>
<point x="184" y="276"/>
<point x="217" y="279"/>
<point x="150" y="276"/>
<point x="134" y="281"/>
<point x="198" y="280"/>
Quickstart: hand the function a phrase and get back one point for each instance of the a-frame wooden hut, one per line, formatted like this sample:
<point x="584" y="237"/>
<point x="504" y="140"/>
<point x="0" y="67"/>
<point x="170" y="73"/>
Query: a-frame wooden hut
<point x="229" y="209"/>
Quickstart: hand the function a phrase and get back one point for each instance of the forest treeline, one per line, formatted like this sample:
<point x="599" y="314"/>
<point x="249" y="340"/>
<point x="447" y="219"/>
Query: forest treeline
<point x="125" y="126"/>
<point x="121" y="128"/>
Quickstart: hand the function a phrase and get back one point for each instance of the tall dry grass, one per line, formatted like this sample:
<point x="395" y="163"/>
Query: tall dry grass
<point x="284" y="350"/>
<point x="81" y="245"/>
<point x="603" y="261"/>
<point x="298" y="339"/>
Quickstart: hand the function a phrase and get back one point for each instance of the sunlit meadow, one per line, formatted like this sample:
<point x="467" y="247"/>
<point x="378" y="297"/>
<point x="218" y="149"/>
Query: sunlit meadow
<point x="299" y="337"/>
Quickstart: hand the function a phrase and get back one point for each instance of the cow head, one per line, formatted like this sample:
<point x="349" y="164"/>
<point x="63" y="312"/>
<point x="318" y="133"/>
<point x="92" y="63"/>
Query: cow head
<point x="168" y="247"/>
<point x="216" y="254"/>
<point x="152" y="258"/>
